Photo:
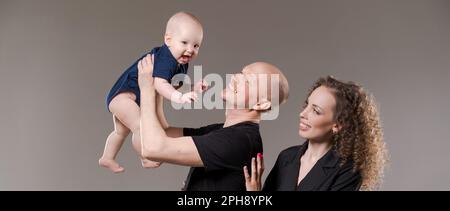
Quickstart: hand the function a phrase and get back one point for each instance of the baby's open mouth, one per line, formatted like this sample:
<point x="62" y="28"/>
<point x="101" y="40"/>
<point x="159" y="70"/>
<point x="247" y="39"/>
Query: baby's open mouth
<point x="185" y="59"/>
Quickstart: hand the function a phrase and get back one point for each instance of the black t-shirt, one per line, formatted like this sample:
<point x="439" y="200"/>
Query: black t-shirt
<point x="224" y="152"/>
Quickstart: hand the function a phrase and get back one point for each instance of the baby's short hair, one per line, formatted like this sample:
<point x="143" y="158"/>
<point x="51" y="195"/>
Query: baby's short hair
<point x="181" y="18"/>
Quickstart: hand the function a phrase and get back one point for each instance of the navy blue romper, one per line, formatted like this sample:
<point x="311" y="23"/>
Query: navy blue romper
<point x="165" y="66"/>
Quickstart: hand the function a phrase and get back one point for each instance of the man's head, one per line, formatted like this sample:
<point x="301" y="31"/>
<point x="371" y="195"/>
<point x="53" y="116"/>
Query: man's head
<point x="259" y="86"/>
<point x="184" y="35"/>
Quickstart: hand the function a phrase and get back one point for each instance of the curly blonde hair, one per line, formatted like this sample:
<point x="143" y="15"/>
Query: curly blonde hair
<point x="360" y="138"/>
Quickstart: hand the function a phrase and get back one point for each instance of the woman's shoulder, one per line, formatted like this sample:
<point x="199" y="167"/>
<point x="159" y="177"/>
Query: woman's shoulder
<point x="290" y="152"/>
<point x="291" y="149"/>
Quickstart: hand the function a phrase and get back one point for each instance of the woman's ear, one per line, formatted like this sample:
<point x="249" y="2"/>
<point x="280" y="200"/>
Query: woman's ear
<point x="167" y="40"/>
<point x="336" y="128"/>
<point x="262" y="105"/>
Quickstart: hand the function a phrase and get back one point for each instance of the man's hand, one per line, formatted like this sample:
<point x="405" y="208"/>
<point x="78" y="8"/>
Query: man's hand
<point x="253" y="182"/>
<point x="145" y="67"/>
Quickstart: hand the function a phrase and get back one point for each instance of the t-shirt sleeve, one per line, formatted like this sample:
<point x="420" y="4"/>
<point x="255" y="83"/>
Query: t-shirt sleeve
<point x="223" y="150"/>
<point x="202" y="130"/>
<point x="164" y="68"/>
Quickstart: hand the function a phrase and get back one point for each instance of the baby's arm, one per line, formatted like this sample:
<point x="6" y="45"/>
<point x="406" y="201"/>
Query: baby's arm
<point x="165" y="89"/>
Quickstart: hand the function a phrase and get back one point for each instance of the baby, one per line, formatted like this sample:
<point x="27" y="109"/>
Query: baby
<point x="182" y="40"/>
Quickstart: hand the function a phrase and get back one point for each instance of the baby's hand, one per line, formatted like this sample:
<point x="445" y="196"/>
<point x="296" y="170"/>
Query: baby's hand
<point x="201" y="86"/>
<point x="189" y="97"/>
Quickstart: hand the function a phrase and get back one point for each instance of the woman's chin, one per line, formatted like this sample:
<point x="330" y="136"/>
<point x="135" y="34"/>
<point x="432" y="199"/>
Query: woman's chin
<point x="302" y="134"/>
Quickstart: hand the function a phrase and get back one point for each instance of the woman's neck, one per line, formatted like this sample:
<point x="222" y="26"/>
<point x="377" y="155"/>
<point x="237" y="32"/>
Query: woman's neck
<point x="316" y="150"/>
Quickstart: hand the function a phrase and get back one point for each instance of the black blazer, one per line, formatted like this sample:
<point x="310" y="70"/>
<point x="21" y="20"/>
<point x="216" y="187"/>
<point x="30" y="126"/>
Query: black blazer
<point x="326" y="175"/>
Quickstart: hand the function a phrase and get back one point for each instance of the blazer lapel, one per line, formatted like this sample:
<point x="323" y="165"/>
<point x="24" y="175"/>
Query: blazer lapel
<point x="291" y="175"/>
<point x="291" y="169"/>
<point x="320" y="172"/>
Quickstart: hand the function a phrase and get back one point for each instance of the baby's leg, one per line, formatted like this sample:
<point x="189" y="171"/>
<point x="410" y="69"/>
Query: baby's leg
<point x="128" y="112"/>
<point x="112" y="147"/>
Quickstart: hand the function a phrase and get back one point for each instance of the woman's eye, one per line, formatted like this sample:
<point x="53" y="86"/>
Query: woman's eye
<point x="184" y="42"/>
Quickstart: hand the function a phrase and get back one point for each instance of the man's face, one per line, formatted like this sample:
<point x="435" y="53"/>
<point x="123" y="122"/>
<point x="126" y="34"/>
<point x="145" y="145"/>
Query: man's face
<point x="245" y="89"/>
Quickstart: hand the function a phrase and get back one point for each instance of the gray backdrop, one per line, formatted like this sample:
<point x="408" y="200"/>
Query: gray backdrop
<point x="58" y="59"/>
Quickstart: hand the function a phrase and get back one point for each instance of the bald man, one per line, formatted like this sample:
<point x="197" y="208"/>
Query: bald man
<point x="218" y="152"/>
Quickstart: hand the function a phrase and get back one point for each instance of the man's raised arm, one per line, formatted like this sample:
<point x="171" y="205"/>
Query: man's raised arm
<point x="156" y="145"/>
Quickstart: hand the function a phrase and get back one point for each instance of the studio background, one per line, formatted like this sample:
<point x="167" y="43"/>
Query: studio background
<point x="58" y="59"/>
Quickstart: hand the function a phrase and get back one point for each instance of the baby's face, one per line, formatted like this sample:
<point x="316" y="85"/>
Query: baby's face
<point x="185" y="44"/>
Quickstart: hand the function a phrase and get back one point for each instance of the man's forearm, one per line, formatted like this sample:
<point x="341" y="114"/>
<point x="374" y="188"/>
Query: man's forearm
<point x="160" y="111"/>
<point x="152" y="133"/>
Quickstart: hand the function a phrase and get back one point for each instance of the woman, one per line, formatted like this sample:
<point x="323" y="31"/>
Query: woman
<point x="344" y="150"/>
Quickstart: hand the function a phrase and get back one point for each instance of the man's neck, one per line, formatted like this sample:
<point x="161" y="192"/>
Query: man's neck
<point x="235" y="116"/>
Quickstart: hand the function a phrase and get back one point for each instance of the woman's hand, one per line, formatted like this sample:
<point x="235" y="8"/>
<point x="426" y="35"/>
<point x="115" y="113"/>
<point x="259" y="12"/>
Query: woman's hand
<point x="253" y="182"/>
<point x="145" y="75"/>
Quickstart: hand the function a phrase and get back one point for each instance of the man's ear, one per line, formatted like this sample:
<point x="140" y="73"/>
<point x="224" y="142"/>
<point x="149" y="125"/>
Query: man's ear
<point x="262" y="105"/>
<point x="167" y="39"/>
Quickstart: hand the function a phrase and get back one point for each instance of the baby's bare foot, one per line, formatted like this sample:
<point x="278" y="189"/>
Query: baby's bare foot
<point x="111" y="164"/>
<point x="150" y="164"/>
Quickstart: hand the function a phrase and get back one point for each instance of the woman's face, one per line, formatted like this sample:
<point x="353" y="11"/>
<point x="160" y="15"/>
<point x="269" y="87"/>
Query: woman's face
<point x="316" y="119"/>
